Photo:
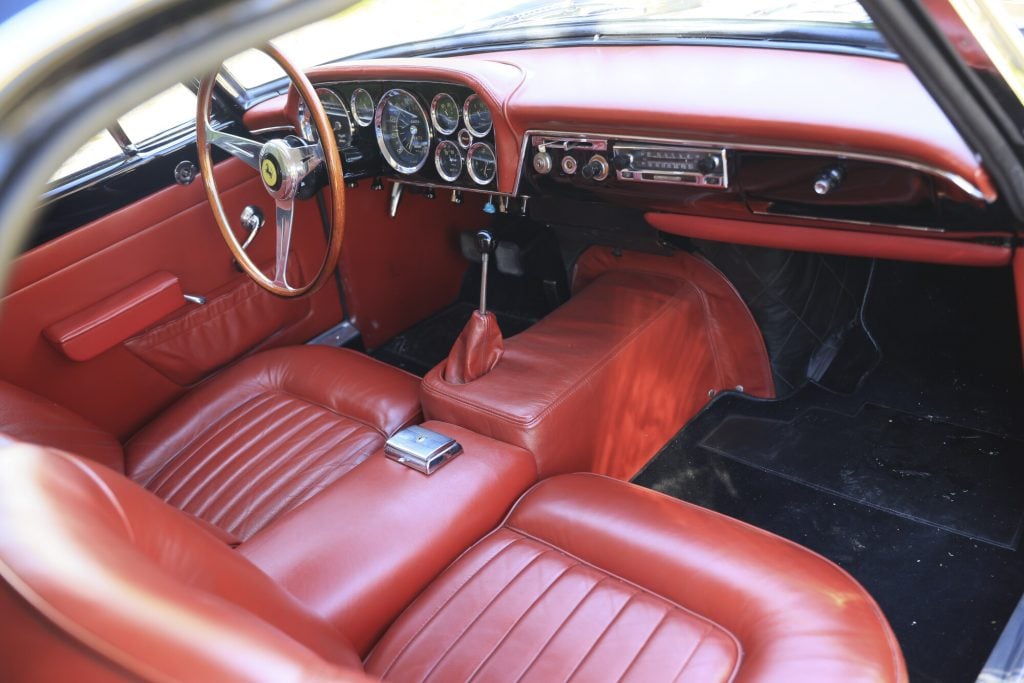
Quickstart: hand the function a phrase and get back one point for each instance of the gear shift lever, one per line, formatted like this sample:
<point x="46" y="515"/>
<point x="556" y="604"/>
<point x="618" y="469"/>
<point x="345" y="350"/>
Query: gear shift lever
<point x="485" y="243"/>
<point x="479" y="347"/>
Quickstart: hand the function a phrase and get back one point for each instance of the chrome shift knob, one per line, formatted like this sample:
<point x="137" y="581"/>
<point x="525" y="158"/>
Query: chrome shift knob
<point x="485" y="243"/>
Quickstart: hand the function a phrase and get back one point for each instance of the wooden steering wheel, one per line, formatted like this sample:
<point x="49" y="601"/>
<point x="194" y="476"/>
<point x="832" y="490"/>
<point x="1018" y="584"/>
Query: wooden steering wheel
<point x="282" y="165"/>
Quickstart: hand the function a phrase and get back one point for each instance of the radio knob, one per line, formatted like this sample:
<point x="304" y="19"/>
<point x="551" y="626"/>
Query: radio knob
<point x="542" y="163"/>
<point x="622" y="162"/>
<point x="709" y="164"/>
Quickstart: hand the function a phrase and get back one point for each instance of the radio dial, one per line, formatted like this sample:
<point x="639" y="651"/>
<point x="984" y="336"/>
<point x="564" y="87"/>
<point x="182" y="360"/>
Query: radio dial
<point x="622" y="162"/>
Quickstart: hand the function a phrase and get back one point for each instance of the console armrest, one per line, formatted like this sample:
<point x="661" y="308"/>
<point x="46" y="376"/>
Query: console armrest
<point x="361" y="550"/>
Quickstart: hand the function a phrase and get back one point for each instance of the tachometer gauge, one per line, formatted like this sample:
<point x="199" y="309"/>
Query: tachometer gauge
<point x="362" y="106"/>
<point x="477" y="116"/>
<point x="481" y="164"/>
<point x="444" y="113"/>
<point x="403" y="132"/>
<point x="448" y="160"/>
<point x="337" y="113"/>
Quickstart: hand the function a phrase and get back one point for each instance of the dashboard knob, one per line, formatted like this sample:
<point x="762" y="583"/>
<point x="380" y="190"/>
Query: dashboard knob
<point x="622" y="162"/>
<point x="709" y="164"/>
<point x="542" y="163"/>
<point x="829" y="180"/>
<point x="596" y="168"/>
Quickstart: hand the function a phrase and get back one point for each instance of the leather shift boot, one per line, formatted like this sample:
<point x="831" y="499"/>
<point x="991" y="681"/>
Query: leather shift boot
<point x="477" y="350"/>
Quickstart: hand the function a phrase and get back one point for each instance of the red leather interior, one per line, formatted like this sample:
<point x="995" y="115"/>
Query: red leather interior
<point x="586" y="577"/>
<point x="477" y="350"/>
<point x="107" y="323"/>
<point x="110" y="579"/>
<point x="602" y="382"/>
<point x="596" y="579"/>
<point x="829" y="241"/>
<point x="385" y="532"/>
<point x="33" y="419"/>
<point x="172" y="231"/>
<point x="235" y="319"/>
<point x="397" y="271"/>
<point x="270" y="433"/>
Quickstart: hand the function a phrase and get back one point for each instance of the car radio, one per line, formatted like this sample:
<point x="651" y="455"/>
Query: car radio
<point x="650" y="163"/>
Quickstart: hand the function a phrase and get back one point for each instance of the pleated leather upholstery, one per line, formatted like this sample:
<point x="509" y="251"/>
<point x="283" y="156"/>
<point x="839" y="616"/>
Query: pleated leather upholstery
<point x="592" y="579"/>
<point x="516" y="609"/>
<point x="269" y="434"/>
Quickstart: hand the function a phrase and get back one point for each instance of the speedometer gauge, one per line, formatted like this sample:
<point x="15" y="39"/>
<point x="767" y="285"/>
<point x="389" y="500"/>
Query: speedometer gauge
<point x="362" y="106"/>
<point x="477" y="116"/>
<point x="448" y="160"/>
<point x="481" y="164"/>
<point x="444" y="112"/>
<point x="403" y="132"/>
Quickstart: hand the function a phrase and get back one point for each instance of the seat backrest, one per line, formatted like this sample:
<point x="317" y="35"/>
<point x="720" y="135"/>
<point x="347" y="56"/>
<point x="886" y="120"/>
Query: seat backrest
<point x="103" y="579"/>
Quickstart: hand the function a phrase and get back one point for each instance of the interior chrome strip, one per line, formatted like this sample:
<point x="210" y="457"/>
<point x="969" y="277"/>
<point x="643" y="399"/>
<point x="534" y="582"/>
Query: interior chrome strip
<point x="957" y="180"/>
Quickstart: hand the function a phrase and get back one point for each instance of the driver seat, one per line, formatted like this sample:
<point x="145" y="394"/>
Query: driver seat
<point x="250" y="444"/>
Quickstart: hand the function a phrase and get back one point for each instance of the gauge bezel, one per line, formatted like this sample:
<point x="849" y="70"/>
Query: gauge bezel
<point x="469" y="137"/>
<point x="353" y="108"/>
<point x="379" y="132"/>
<point x="433" y="114"/>
<point x="470" y="153"/>
<point x="465" y="116"/>
<point x="344" y="108"/>
<point x="437" y="160"/>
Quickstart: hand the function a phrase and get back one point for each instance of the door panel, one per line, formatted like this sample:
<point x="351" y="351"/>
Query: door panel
<point x="172" y="231"/>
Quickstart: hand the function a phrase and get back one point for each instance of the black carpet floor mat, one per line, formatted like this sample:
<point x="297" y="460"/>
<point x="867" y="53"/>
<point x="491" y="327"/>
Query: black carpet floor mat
<point x="911" y="478"/>
<point x="427" y="343"/>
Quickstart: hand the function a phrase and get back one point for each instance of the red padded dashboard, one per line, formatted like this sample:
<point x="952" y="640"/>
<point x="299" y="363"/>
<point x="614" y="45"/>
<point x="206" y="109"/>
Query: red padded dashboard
<point x="732" y="96"/>
<point x="812" y="100"/>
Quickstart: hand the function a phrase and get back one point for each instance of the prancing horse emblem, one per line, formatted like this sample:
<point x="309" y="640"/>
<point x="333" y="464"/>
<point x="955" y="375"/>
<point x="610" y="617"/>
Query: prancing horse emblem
<point x="269" y="170"/>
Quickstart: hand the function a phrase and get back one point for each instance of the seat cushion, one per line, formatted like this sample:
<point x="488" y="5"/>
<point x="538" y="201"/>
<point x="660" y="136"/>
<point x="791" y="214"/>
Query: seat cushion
<point x="268" y="434"/>
<point x="30" y="418"/>
<point x="594" y="579"/>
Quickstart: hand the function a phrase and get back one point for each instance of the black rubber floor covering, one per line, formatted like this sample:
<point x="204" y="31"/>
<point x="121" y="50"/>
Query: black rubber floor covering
<point x="912" y="481"/>
<point x="427" y="343"/>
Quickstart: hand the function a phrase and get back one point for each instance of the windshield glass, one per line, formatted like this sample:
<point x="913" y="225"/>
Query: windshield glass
<point x="375" y="24"/>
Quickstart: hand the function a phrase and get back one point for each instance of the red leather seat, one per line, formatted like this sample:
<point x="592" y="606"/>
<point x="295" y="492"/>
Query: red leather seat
<point x="588" y="578"/>
<point x="253" y="443"/>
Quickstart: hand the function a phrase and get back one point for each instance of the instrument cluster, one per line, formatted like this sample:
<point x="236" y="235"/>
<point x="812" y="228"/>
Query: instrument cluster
<point x="438" y="134"/>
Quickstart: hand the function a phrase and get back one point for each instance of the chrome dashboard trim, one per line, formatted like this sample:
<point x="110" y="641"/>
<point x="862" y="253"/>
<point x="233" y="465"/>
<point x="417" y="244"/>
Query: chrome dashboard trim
<point x="433" y="114"/>
<point x="272" y="129"/>
<point x="352" y="107"/>
<point x="379" y="133"/>
<point x="959" y="181"/>
<point x="465" y="117"/>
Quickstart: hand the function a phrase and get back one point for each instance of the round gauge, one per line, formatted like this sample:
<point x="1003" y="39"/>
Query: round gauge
<point x="306" y="130"/>
<point x="465" y="138"/>
<point x="403" y="132"/>
<point x="448" y="160"/>
<point x="337" y="114"/>
<point x="477" y="116"/>
<point x="362" y="106"/>
<point x="480" y="163"/>
<point x="444" y="113"/>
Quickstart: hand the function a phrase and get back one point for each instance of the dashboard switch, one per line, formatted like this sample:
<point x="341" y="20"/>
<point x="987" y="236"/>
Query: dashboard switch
<point x="569" y="165"/>
<point x="542" y="163"/>
<point x="829" y="180"/>
<point x="596" y="168"/>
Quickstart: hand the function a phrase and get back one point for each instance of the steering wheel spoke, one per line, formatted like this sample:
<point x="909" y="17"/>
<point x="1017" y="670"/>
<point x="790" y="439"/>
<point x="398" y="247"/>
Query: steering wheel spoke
<point x="311" y="158"/>
<point x="285" y="211"/>
<point x="241" y="148"/>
